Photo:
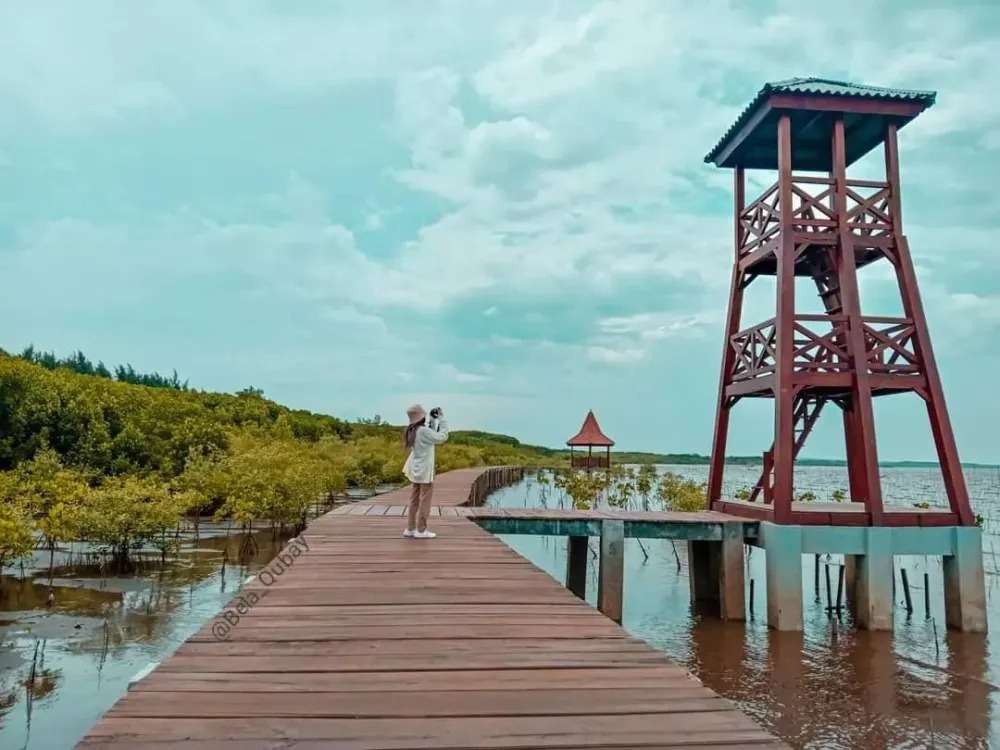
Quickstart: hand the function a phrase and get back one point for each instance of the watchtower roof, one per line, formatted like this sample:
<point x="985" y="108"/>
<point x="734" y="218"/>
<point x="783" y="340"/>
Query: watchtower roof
<point x="590" y="433"/>
<point x="751" y="141"/>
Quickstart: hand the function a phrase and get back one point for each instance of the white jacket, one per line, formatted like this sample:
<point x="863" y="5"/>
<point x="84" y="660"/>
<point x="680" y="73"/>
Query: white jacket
<point x="419" y="466"/>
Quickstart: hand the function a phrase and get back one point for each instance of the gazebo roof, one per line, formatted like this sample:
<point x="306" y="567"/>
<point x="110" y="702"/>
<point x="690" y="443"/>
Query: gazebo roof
<point x="751" y="141"/>
<point x="590" y="433"/>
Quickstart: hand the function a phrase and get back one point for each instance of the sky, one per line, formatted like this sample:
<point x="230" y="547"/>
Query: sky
<point x="497" y="207"/>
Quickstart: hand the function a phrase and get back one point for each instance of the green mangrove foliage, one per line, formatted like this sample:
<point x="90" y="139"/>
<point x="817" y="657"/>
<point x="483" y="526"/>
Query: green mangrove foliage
<point x="630" y="488"/>
<point x="678" y="493"/>
<point x="85" y="457"/>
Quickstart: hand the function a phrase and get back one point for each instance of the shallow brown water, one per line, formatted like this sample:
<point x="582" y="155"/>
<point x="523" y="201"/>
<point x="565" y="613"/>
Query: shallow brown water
<point x="832" y="686"/>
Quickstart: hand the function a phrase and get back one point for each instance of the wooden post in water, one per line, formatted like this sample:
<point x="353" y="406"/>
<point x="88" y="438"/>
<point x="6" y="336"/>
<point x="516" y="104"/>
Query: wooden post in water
<point x="577" y="548"/>
<point x="611" y="581"/>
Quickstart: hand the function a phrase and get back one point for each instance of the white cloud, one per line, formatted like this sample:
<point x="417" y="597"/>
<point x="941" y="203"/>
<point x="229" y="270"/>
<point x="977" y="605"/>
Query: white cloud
<point x="300" y="252"/>
<point x="611" y="356"/>
<point x="563" y="55"/>
<point x="657" y="326"/>
<point x="450" y="372"/>
<point x="77" y="66"/>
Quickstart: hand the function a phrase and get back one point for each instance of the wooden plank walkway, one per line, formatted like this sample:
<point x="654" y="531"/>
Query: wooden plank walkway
<point x="369" y="640"/>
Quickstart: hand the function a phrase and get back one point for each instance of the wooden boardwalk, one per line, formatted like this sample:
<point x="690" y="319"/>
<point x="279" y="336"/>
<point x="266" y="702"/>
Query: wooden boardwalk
<point x="369" y="640"/>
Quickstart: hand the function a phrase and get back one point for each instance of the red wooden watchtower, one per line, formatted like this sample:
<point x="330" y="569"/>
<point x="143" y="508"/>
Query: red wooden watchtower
<point x="590" y="436"/>
<point x="824" y="227"/>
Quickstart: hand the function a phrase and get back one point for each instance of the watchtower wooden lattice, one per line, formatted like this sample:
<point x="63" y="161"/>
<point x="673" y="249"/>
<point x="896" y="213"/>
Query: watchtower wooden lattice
<point x="825" y="227"/>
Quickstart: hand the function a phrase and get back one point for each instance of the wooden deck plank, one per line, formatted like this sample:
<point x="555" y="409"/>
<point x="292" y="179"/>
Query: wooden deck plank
<point x="419" y="703"/>
<point x="370" y="640"/>
<point x="594" y="731"/>
<point x="598" y="678"/>
<point x="407" y="646"/>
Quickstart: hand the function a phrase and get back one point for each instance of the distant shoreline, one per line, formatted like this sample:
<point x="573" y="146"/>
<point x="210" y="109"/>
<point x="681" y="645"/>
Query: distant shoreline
<point x="695" y="459"/>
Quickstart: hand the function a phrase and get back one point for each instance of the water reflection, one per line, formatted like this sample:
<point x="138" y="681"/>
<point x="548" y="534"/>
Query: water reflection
<point x="69" y="650"/>
<point x="831" y="686"/>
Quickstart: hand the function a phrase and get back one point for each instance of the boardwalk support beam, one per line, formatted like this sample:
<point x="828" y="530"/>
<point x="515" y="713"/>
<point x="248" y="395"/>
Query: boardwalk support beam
<point x="577" y="548"/>
<point x="731" y="581"/>
<point x="612" y="572"/>
<point x="715" y="573"/>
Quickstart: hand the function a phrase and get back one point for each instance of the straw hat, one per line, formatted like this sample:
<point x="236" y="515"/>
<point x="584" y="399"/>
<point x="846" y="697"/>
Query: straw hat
<point x="416" y="413"/>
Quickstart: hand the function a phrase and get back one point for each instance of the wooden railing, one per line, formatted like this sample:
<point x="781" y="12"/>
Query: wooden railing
<point x="599" y="461"/>
<point x="890" y="346"/>
<point x="814" y="212"/>
<point x="819" y="346"/>
<point x="491" y="480"/>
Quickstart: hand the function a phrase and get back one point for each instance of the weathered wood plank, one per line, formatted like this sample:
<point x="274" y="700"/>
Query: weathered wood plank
<point x="482" y="679"/>
<point x="598" y="731"/>
<point x="420" y="702"/>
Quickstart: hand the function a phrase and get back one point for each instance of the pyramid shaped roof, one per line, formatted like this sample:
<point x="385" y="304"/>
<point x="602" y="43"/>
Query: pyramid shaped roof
<point x="814" y="103"/>
<point x="590" y="433"/>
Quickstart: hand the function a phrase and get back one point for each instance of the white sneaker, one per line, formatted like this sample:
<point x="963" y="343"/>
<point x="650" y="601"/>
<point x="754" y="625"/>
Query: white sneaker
<point x="424" y="535"/>
<point x="407" y="533"/>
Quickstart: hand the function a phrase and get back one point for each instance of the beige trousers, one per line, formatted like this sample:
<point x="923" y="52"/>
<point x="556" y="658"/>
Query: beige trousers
<point x="420" y="506"/>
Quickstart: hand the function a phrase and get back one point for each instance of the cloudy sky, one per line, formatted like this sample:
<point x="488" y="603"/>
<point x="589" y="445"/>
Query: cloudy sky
<point x="498" y="207"/>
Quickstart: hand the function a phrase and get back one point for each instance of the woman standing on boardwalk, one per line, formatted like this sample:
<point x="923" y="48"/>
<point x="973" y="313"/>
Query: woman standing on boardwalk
<point x="421" y="438"/>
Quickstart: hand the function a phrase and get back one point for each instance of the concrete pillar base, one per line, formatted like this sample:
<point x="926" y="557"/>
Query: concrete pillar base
<point x="610" y="585"/>
<point x="783" y="551"/>
<point x="964" y="582"/>
<point x="873" y="573"/>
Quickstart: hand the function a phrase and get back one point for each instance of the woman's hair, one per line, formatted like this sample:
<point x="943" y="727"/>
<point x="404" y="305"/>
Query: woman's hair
<point x="410" y="436"/>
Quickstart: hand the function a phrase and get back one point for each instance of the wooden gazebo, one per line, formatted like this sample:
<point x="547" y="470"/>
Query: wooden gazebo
<point x="590" y="436"/>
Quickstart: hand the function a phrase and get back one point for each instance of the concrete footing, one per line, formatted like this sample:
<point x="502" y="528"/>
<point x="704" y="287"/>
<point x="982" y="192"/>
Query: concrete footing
<point x="869" y="572"/>
<point x="611" y="578"/>
<point x="873" y="574"/>
<point x="965" y="583"/>
<point x="783" y="571"/>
